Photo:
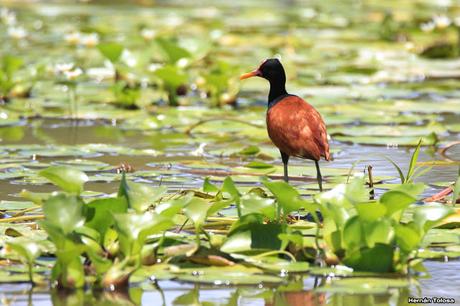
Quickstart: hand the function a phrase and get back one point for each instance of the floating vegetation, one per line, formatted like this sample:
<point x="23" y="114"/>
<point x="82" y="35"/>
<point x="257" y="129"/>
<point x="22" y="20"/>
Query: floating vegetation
<point x="133" y="160"/>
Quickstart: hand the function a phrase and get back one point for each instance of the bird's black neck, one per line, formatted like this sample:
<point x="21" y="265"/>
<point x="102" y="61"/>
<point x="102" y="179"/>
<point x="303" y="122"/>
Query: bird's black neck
<point x="277" y="91"/>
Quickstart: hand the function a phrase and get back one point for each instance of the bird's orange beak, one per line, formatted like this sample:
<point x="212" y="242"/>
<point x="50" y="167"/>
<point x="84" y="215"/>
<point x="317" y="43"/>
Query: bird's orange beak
<point x="250" y="74"/>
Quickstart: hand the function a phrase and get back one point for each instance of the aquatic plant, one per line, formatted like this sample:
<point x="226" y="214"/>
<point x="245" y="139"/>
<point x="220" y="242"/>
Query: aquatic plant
<point x="9" y="65"/>
<point x="133" y="230"/>
<point x="220" y="84"/>
<point x="171" y="75"/>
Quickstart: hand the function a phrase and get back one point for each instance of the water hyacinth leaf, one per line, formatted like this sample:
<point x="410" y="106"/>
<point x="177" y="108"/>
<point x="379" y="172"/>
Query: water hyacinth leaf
<point x="244" y="221"/>
<point x="425" y="217"/>
<point x="229" y="187"/>
<point x="68" y="179"/>
<point x="345" y="195"/>
<point x="412" y="189"/>
<point x="252" y="203"/>
<point x="209" y="187"/>
<point x="134" y="228"/>
<point x="370" y="211"/>
<point x="377" y="259"/>
<point x="172" y="50"/>
<point x="99" y="213"/>
<point x="111" y="51"/>
<point x="287" y="197"/>
<point x="197" y="210"/>
<point x="380" y="231"/>
<point x="254" y="236"/>
<point x="395" y="202"/>
<point x="353" y="233"/>
<point x="171" y="76"/>
<point x="407" y="237"/>
<point x="27" y="249"/>
<point x="140" y="196"/>
<point x="64" y="212"/>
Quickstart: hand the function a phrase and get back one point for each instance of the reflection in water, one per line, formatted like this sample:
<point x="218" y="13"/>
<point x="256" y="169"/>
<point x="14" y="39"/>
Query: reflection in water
<point x="444" y="282"/>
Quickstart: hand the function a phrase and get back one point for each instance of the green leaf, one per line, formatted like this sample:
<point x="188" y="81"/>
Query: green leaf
<point x="427" y="216"/>
<point x="64" y="212"/>
<point x="27" y="249"/>
<point x="229" y="187"/>
<point x="370" y="211"/>
<point x="287" y="197"/>
<point x="11" y="64"/>
<point x="209" y="187"/>
<point x="407" y="238"/>
<point x="255" y="236"/>
<point x="395" y="202"/>
<point x="380" y="231"/>
<point x="413" y="162"/>
<point x="100" y="213"/>
<point x="249" y="150"/>
<point x="258" y="165"/>
<point x="401" y="175"/>
<point x="171" y="76"/>
<point x="412" y="189"/>
<point x="376" y="259"/>
<point x="172" y="50"/>
<point x="353" y="233"/>
<point x="134" y="228"/>
<point x="111" y="51"/>
<point x="197" y="210"/>
<point x="252" y="203"/>
<point x="68" y="179"/>
<point x="140" y="196"/>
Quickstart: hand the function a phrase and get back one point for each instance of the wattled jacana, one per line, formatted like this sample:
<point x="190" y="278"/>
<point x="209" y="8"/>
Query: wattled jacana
<point x="293" y="125"/>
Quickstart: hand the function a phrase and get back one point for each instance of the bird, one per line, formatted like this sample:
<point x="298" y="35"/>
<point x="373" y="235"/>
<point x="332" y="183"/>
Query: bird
<point x="293" y="125"/>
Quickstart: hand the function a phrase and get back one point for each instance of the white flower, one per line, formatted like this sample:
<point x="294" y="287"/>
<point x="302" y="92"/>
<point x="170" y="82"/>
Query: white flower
<point x="183" y="62"/>
<point x="441" y="21"/>
<point x="148" y="34"/>
<point x="90" y="40"/>
<point x="77" y="38"/>
<point x="73" y="74"/>
<point x="73" y="38"/>
<point x="64" y="67"/>
<point x="128" y="58"/>
<point x="8" y="17"/>
<point x="17" y="32"/>
<point x="428" y="26"/>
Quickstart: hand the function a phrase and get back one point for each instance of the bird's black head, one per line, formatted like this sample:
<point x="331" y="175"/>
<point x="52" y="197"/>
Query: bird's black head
<point x="271" y="70"/>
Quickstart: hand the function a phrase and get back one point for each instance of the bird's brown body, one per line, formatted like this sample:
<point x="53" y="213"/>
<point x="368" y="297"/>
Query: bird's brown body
<point x="297" y="129"/>
<point x="293" y="125"/>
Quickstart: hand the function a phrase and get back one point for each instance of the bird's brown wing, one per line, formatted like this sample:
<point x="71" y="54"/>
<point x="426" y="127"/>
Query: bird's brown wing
<point x="297" y="129"/>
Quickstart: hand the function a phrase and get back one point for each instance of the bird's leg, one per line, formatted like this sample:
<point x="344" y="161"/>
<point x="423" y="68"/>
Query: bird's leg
<point x="318" y="176"/>
<point x="285" y="159"/>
